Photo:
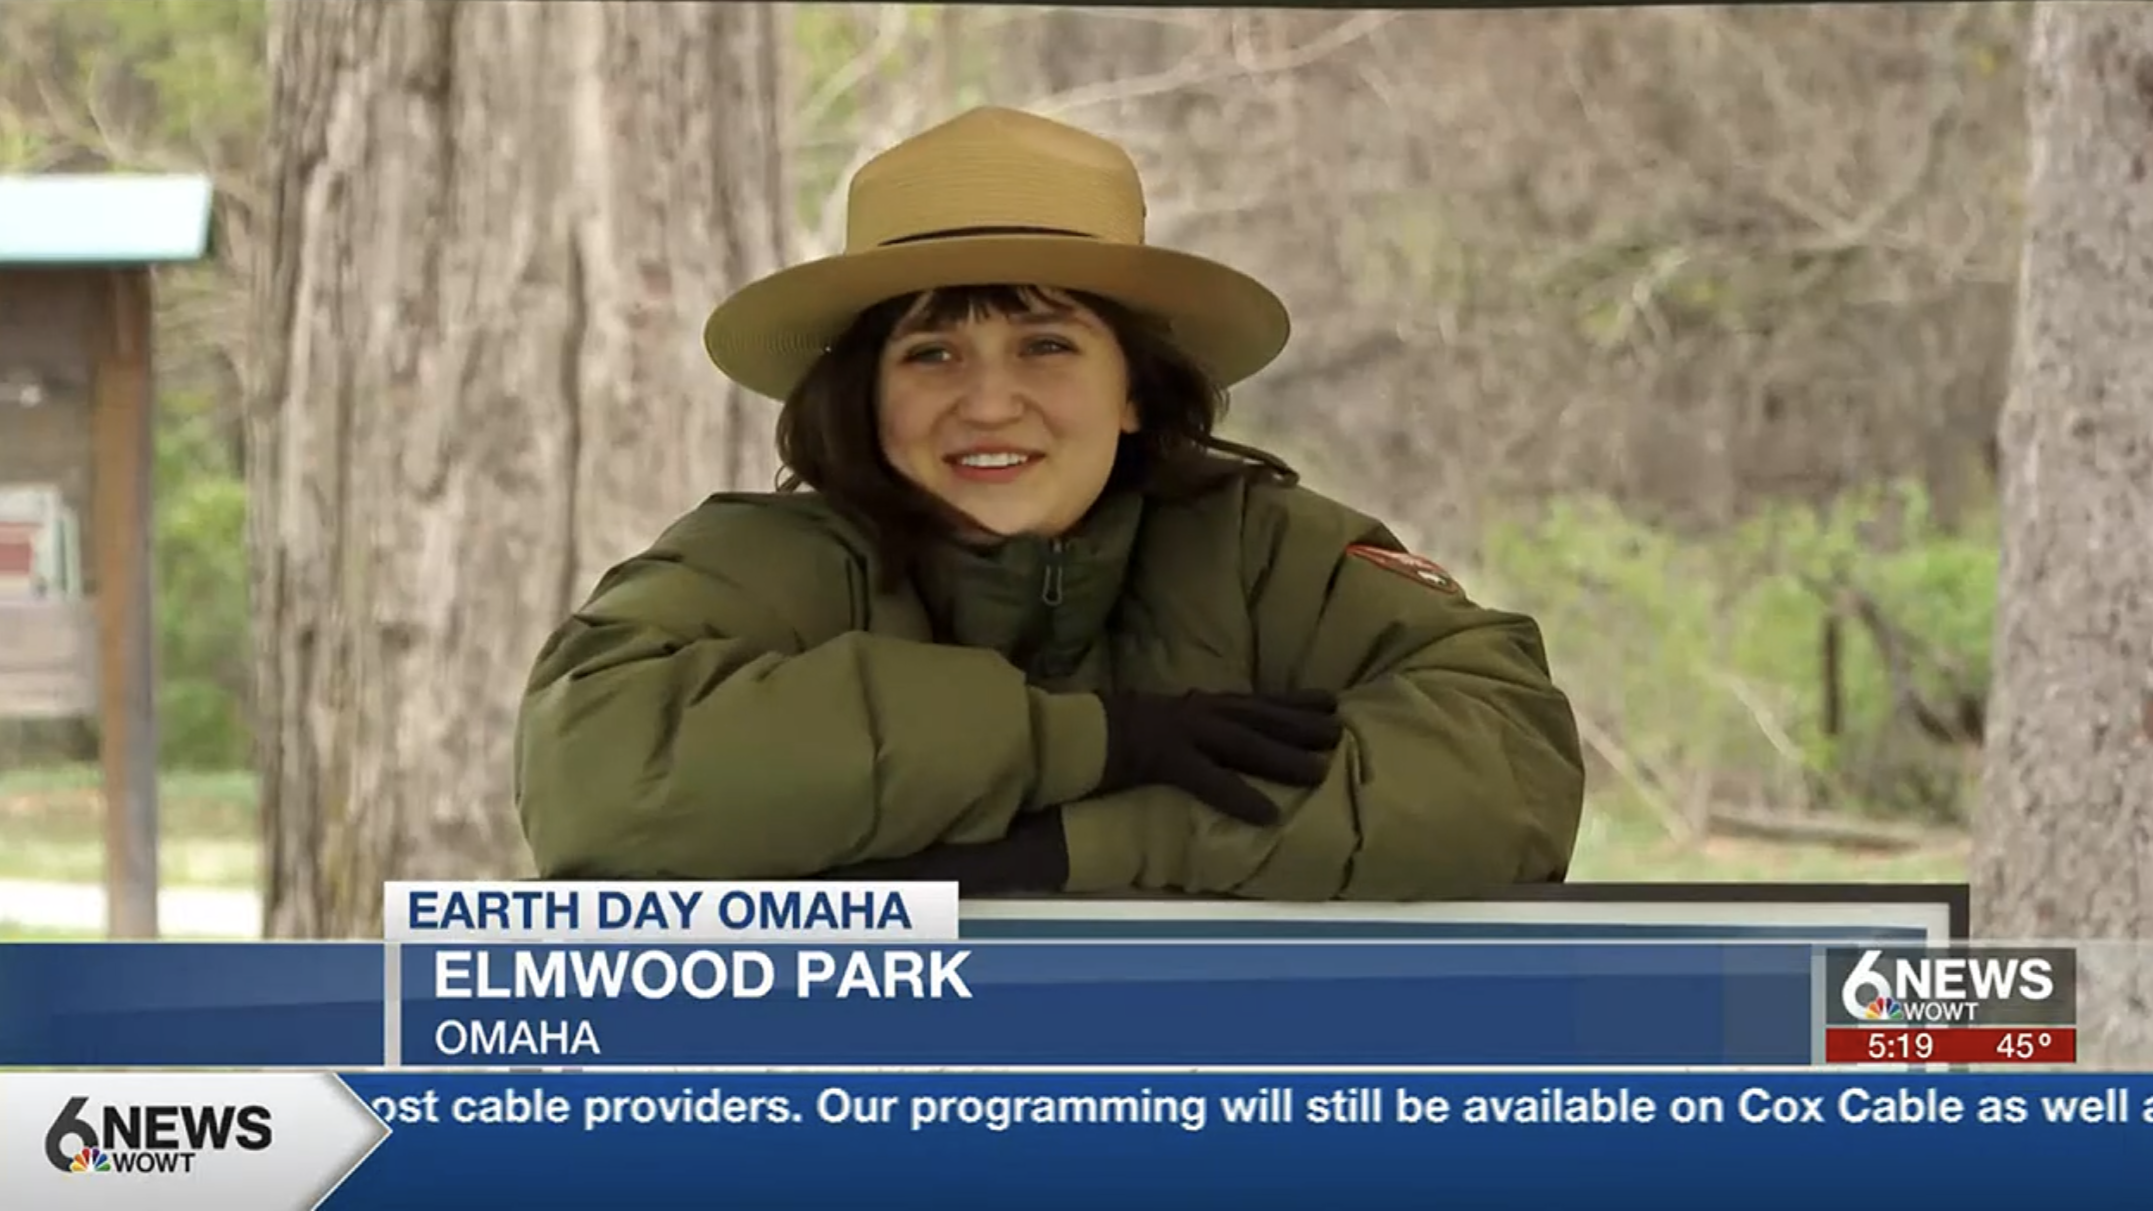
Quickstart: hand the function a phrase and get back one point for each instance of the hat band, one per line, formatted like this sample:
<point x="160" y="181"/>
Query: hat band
<point x="959" y="233"/>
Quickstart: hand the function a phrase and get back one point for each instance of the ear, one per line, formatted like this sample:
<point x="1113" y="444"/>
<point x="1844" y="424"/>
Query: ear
<point x="1131" y="419"/>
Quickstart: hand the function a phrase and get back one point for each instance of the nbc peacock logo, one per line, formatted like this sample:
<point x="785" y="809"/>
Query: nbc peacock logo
<point x="1884" y="1009"/>
<point x="91" y="1160"/>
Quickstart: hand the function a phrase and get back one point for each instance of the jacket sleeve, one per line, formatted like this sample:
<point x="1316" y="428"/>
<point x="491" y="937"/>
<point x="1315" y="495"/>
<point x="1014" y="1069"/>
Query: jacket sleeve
<point x="711" y="713"/>
<point x="1460" y="771"/>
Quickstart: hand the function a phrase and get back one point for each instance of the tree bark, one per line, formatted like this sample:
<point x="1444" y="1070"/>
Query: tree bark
<point x="2065" y="837"/>
<point x="497" y="229"/>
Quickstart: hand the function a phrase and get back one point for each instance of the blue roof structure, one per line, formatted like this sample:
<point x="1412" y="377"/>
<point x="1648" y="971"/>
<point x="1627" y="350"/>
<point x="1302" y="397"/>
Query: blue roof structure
<point x="103" y="219"/>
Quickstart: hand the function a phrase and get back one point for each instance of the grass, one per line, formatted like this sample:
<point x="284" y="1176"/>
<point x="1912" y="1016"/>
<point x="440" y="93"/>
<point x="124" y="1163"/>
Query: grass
<point x="50" y="830"/>
<point x="1620" y="845"/>
<point x="52" y="822"/>
<point x="11" y="932"/>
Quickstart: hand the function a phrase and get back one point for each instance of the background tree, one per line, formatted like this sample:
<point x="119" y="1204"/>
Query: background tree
<point x="494" y="231"/>
<point x="2065" y="838"/>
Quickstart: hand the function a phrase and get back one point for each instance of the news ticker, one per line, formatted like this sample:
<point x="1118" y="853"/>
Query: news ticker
<point x="296" y="1141"/>
<point x="881" y="975"/>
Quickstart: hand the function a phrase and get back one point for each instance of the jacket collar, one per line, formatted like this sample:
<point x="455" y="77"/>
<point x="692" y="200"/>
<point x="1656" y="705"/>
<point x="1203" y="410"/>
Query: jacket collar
<point x="1040" y="602"/>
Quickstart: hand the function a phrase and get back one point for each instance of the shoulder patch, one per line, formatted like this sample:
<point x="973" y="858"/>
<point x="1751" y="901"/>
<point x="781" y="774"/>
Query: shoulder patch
<point x="1420" y="568"/>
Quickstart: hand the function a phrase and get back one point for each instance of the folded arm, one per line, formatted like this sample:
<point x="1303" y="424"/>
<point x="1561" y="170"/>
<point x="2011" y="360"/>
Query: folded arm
<point x="1460" y="771"/>
<point x="710" y="714"/>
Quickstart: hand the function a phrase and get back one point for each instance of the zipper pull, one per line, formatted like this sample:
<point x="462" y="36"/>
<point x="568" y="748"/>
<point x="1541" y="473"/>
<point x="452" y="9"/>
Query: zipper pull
<point x="1050" y="591"/>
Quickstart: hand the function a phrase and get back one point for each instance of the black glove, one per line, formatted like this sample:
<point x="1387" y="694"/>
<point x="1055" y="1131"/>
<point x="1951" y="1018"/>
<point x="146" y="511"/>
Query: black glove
<point x="1208" y="744"/>
<point x="1033" y="857"/>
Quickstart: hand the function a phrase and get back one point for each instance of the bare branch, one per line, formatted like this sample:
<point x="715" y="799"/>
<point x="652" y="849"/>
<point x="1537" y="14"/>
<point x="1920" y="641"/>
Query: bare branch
<point x="1197" y="69"/>
<point x="1677" y="825"/>
<point x="891" y="26"/>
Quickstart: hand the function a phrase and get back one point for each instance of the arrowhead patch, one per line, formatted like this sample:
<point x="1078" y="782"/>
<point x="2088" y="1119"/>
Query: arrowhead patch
<point x="1424" y="570"/>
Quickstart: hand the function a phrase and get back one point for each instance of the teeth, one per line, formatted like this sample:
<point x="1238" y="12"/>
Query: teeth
<point x="994" y="460"/>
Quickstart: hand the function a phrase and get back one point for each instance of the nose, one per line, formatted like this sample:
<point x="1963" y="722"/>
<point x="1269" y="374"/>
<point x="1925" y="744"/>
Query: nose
<point x="991" y="396"/>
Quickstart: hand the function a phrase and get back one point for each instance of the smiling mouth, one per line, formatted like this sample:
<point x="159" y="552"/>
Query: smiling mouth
<point x="992" y="466"/>
<point x="989" y="468"/>
<point x="992" y="460"/>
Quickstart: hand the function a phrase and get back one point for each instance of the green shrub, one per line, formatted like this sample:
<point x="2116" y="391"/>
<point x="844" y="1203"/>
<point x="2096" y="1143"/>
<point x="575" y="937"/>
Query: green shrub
<point x="1701" y="657"/>
<point x="203" y="631"/>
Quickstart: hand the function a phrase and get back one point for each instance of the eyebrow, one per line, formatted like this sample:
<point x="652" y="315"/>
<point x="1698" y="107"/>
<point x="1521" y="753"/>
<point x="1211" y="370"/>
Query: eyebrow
<point x="915" y="325"/>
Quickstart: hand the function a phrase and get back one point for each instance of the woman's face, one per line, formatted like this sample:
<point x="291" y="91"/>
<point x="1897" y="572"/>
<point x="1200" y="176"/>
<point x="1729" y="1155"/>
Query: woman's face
<point x="1013" y="420"/>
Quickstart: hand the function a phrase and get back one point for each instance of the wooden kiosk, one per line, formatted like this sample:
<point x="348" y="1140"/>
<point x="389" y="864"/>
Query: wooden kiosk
<point x="77" y="400"/>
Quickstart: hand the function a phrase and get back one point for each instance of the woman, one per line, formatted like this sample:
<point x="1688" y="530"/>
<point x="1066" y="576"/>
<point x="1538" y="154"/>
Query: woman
<point x="1035" y="628"/>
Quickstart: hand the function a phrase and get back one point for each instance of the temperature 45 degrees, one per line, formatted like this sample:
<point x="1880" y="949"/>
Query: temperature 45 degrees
<point x="1950" y="1045"/>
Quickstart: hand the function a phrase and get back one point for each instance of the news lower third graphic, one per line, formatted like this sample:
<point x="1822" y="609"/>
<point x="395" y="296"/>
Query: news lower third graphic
<point x="751" y="1032"/>
<point x="178" y="1141"/>
<point x="1950" y="1005"/>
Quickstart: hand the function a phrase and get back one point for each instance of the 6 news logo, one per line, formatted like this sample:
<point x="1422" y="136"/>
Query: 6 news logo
<point x="1958" y="986"/>
<point x="151" y="1138"/>
<point x="178" y="1141"/>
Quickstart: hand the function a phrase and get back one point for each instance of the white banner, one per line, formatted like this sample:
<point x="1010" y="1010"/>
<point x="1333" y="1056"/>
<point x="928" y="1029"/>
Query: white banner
<point x="179" y="1141"/>
<point x="658" y="914"/>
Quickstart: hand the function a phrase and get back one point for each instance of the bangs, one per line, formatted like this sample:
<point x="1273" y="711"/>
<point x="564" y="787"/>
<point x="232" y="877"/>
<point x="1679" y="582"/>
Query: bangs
<point x="951" y="305"/>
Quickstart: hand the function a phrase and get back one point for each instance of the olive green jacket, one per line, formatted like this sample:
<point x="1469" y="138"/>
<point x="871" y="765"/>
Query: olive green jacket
<point x="740" y="701"/>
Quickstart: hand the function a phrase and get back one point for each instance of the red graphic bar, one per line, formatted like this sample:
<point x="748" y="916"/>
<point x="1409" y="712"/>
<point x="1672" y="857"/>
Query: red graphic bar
<point x="1951" y="1045"/>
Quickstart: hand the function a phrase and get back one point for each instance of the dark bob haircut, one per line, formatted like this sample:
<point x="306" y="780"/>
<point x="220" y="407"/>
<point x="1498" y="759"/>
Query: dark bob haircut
<point x="829" y="438"/>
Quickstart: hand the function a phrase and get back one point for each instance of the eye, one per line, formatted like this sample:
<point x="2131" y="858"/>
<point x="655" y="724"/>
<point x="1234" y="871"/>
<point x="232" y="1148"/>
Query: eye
<point x="1049" y="344"/>
<point x="923" y="354"/>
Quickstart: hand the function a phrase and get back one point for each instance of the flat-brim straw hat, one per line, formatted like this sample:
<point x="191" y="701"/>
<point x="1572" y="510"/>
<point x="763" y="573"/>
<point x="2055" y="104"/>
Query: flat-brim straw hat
<point x="995" y="196"/>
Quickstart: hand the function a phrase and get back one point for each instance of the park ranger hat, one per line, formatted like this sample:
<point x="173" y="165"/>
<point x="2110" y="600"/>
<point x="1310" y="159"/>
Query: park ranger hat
<point x="994" y="196"/>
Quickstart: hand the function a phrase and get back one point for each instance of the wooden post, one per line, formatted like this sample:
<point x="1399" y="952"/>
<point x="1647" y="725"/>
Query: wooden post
<point x="122" y="438"/>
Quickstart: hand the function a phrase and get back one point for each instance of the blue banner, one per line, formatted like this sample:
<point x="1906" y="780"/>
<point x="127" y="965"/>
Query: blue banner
<point x="191" y="1005"/>
<point x="1359" y="929"/>
<point x="1323" y="1004"/>
<point x="987" y="1004"/>
<point x="951" y="1142"/>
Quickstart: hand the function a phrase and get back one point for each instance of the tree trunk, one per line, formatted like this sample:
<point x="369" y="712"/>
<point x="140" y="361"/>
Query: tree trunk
<point x="2065" y="836"/>
<point x="497" y="230"/>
